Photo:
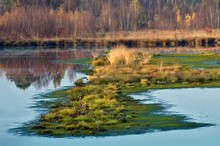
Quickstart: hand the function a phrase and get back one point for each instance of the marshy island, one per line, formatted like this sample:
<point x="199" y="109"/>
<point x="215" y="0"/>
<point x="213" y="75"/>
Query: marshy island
<point x="102" y="106"/>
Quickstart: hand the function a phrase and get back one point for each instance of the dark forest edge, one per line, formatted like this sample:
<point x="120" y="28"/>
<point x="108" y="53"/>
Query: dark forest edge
<point x="140" y="43"/>
<point x="102" y="107"/>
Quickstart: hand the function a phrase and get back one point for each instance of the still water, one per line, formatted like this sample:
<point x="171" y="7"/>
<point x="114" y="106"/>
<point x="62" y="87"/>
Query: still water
<point x="24" y="74"/>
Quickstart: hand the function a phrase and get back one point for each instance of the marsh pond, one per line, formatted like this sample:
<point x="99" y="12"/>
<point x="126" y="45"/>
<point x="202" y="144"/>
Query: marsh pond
<point x="28" y="74"/>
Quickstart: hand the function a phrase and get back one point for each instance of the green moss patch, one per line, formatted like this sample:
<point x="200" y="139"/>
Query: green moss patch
<point x="103" y="111"/>
<point x="189" y="60"/>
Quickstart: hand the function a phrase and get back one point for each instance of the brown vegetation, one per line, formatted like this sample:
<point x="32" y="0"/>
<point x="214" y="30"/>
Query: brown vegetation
<point x="164" y="34"/>
<point x="79" y="18"/>
<point x="122" y="56"/>
<point x="42" y="22"/>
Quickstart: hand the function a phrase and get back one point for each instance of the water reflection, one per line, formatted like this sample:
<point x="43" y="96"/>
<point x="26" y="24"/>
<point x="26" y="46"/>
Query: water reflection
<point x="37" y="67"/>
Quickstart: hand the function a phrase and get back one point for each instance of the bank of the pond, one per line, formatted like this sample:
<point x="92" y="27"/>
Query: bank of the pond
<point x="102" y="107"/>
<point x="145" y="43"/>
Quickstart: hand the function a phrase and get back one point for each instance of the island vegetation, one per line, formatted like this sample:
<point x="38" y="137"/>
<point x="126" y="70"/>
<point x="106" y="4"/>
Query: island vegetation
<point x="102" y="106"/>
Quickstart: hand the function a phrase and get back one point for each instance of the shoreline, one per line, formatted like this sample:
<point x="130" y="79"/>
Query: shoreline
<point x="99" y="42"/>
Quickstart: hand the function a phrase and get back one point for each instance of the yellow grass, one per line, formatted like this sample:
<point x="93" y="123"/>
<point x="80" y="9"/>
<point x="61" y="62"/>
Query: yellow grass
<point x="164" y="34"/>
<point x="121" y="55"/>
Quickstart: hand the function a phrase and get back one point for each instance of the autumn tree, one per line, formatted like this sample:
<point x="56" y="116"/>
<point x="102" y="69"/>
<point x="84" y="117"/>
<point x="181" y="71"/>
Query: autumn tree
<point x="107" y="17"/>
<point x="135" y="8"/>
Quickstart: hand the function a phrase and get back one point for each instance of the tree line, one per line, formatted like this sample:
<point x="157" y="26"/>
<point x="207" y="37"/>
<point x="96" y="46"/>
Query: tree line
<point x="90" y="18"/>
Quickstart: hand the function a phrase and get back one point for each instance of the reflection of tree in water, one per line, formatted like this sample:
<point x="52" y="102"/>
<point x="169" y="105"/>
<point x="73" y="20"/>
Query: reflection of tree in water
<point x="37" y="68"/>
<point x="1" y="71"/>
<point x="71" y="73"/>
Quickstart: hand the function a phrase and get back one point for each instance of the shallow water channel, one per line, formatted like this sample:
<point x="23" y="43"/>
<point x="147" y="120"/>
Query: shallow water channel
<point x="25" y="74"/>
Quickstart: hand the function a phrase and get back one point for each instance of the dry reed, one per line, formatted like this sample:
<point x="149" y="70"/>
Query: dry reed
<point x="164" y="34"/>
<point x="121" y="56"/>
